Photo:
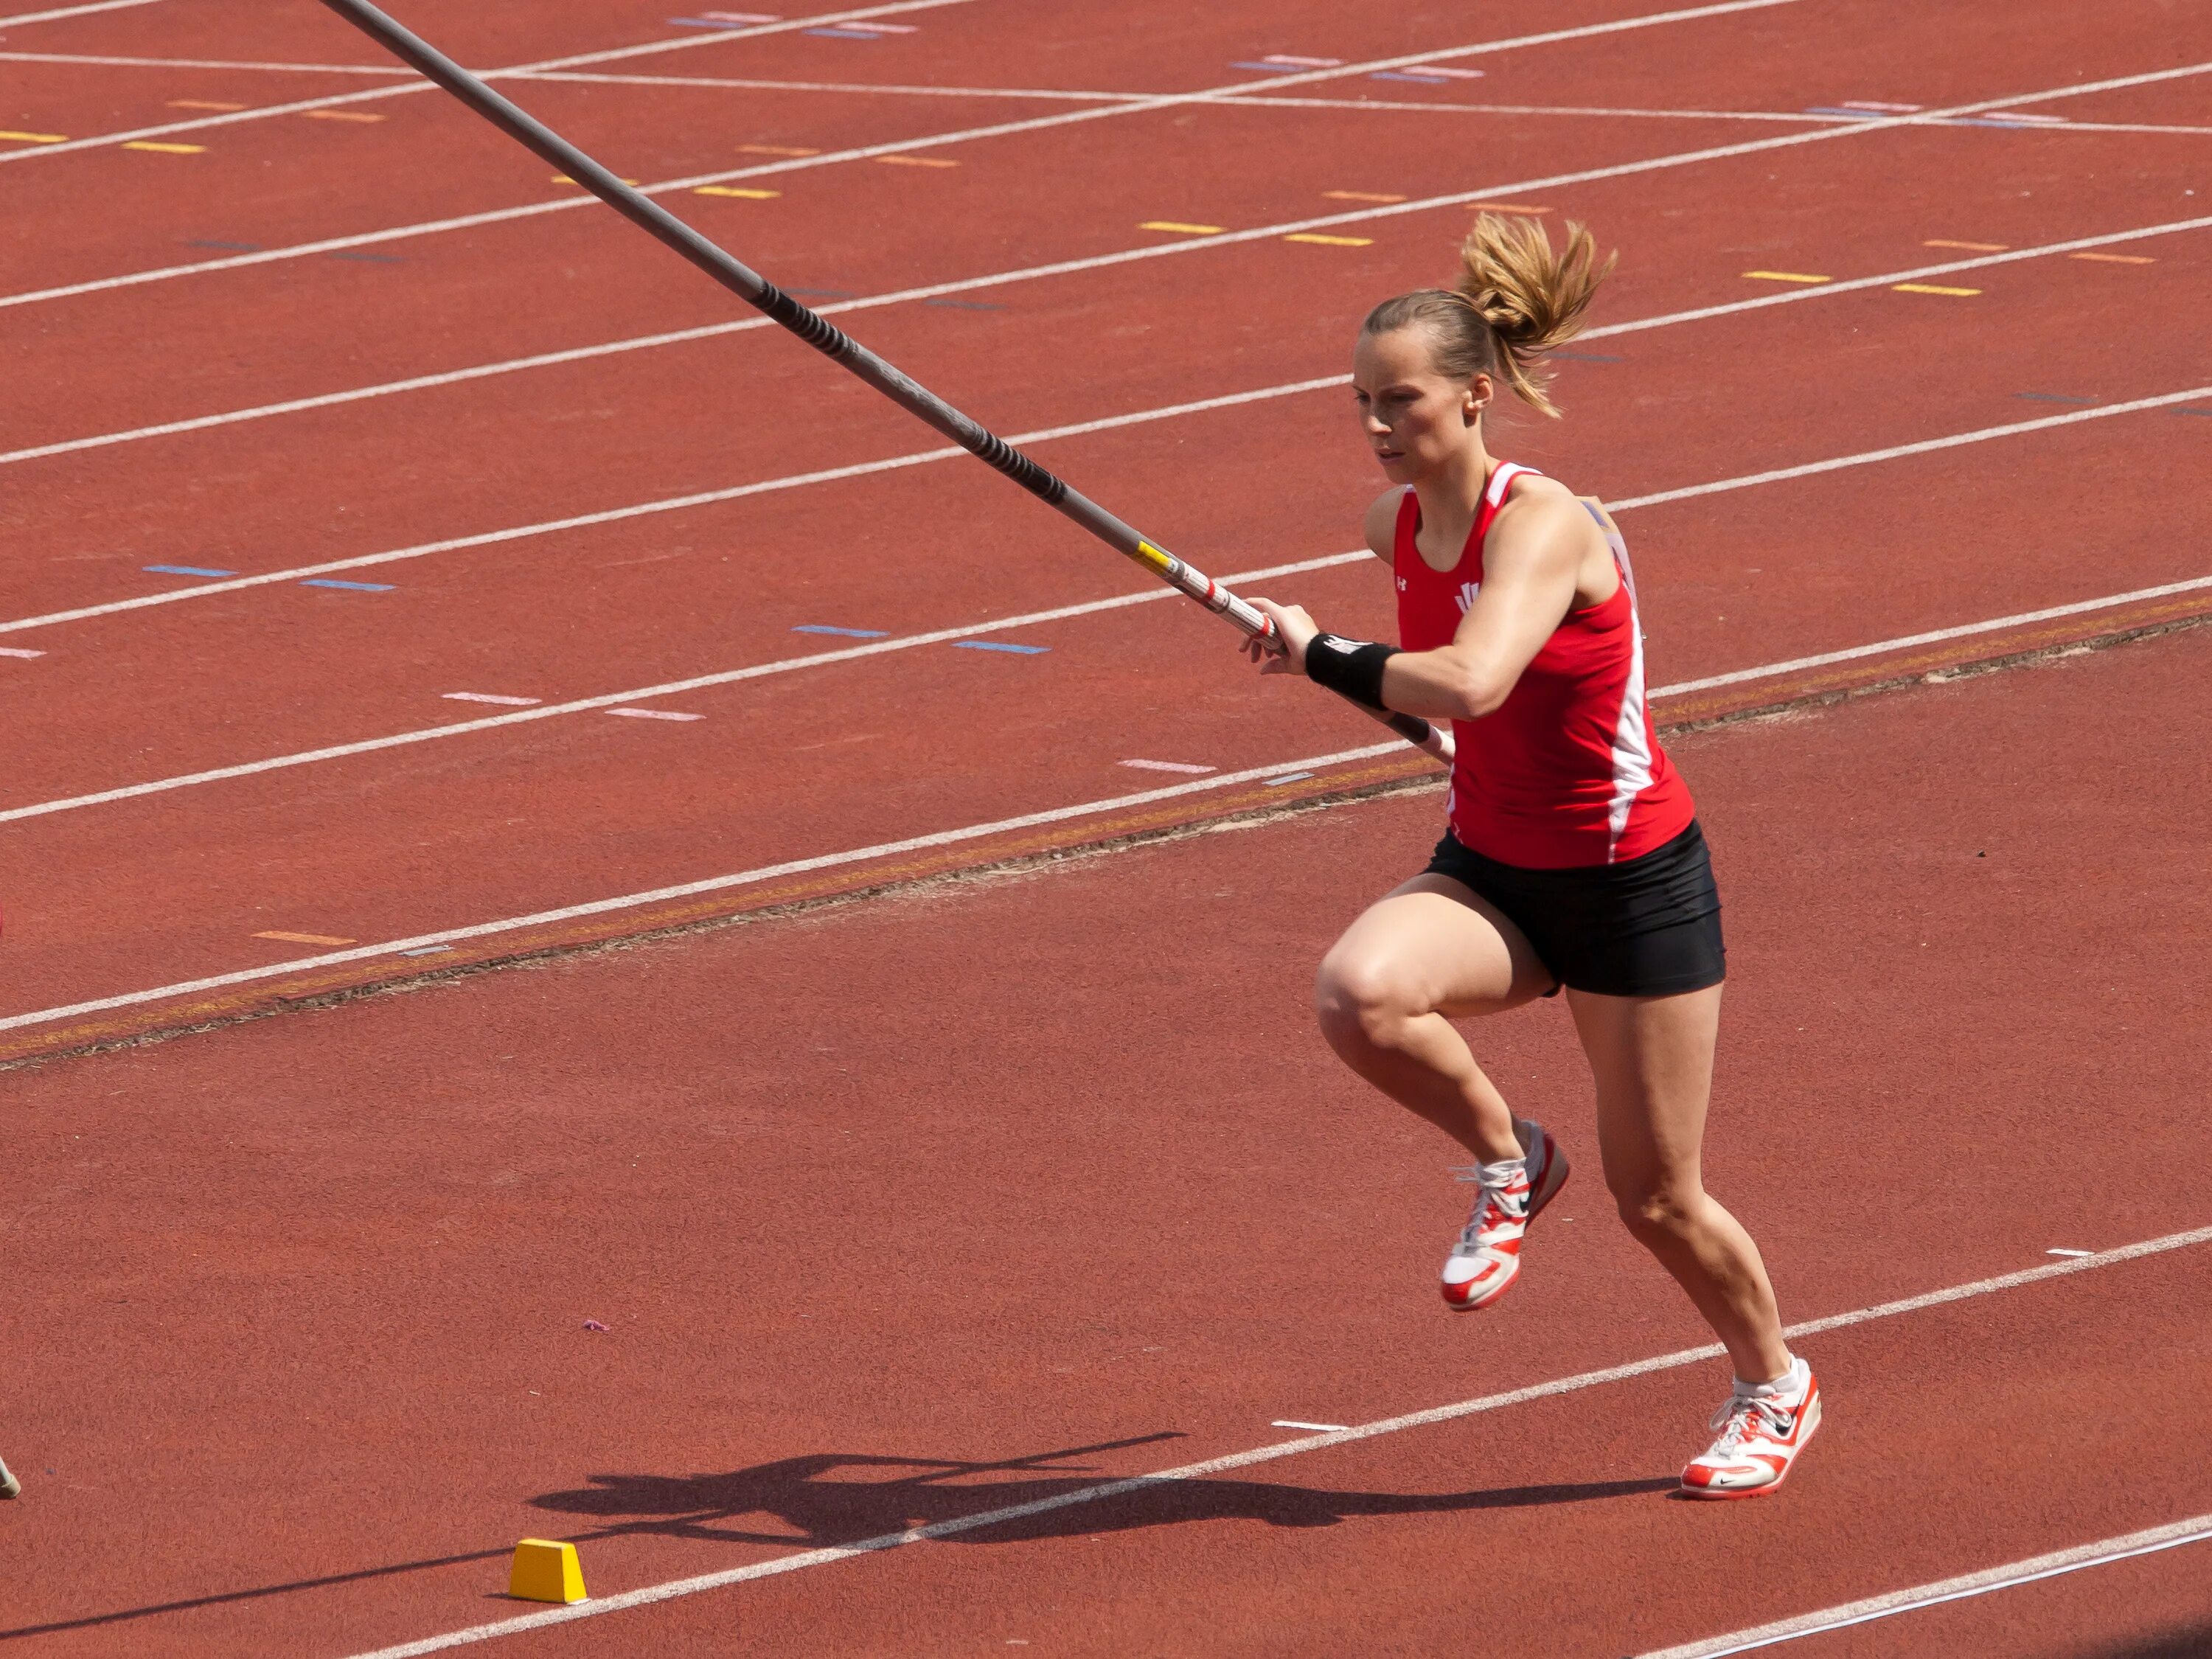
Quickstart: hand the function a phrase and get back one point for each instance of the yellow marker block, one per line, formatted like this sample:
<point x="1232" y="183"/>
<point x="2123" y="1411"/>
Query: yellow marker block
<point x="2115" y="258"/>
<point x="775" y="149"/>
<point x="1972" y="248"/>
<point x="1359" y="196"/>
<point x="1786" y="276"/>
<point x="339" y="115"/>
<point x="306" y="939"/>
<point x="1504" y="207"/>
<point x="35" y="138"/>
<point x="201" y="103"/>
<point x="1332" y="241"/>
<point x="169" y="149"/>
<point x="1182" y="230"/>
<point x="545" y="1571"/>
<point x="1931" y="287"/>
<point x="731" y="189"/>
<point x="915" y="161"/>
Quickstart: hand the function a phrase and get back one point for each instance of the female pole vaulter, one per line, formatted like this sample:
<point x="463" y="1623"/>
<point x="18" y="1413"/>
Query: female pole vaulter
<point x="1572" y="857"/>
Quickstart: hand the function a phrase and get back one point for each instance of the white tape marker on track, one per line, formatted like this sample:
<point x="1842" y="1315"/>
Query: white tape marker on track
<point x="1106" y="1490"/>
<point x="2196" y="1530"/>
<point x="1156" y="594"/>
<point x="453" y="377"/>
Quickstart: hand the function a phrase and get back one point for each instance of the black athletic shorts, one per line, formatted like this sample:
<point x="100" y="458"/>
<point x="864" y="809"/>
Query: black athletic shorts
<point x="1648" y="927"/>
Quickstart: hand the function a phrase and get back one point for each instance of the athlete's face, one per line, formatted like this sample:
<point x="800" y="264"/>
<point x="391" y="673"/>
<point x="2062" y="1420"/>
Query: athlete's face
<point x="1414" y="417"/>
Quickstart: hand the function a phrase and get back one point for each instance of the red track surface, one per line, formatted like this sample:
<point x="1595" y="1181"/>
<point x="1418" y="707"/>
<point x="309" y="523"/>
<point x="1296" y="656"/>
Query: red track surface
<point x="1055" y="1161"/>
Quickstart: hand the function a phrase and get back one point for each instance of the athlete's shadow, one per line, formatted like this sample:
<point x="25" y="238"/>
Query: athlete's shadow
<point x="831" y="1497"/>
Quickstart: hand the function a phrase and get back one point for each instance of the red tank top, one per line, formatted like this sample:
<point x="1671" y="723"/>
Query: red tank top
<point x="1566" y="772"/>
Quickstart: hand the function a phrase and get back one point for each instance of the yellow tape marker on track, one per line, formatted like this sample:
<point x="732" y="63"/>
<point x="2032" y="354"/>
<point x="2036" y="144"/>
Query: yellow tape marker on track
<point x="2116" y="258"/>
<point x="1182" y="230"/>
<point x="775" y="149"/>
<point x="1332" y="241"/>
<point x="35" y="138"/>
<point x="308" y="939"/>
<point x="169" y="149"/>
<point x="1504" y="207"/>
<point x="1359" y="196"/>
<point x="1931" y="287"/>
<point x="917" y="161"/>
<point x="732" y="190"/>
<point x="202" y="103"/>
<point x="1972" y="248"/>
<point x="1786" y="276"/>
<point x="340" y="115"/>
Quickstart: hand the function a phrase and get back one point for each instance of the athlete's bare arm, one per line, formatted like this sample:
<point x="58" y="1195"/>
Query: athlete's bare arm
<point x="1383" y="526"/>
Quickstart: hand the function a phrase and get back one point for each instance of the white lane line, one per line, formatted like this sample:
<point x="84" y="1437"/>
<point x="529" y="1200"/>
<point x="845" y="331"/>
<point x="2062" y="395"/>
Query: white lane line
<point x="640" y="693"/>
<point x="1214" y="95"/>
<point x="2151" y="1539"/>
<point x="1110" y="1489"/>
<point x="688" y="890"/>
<point x="400" y="89"/>
<point x="1156" y="594"/>
<point x="68" y="11"/>
<point x="1388" y="105"/>
<point x="1926" y="447"/>
<point x="1318" y="1428"/>
<point x="1185" y="765"/>
<point x="489" y="696"/>
<point x="390" y="72"/>
<point x="11" y="651"/>
<point x="655" y="715"/>
<point x="2057" y="1251"/>
<point x="1937" y="636"/>
<point x="935" y="290"/>
<point x="667" y="504"/>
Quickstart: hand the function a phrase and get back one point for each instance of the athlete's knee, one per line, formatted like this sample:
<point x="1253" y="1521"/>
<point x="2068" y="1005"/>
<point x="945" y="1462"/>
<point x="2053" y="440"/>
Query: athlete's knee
<point x="1359" y="999"/>
<point x="1653" y="1209"/>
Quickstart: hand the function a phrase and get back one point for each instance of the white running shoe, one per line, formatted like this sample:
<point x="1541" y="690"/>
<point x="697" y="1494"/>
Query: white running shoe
<point x="1485" y="1262"/>
<point x="10" y="1485"/>
<point x="1761" y="1435"/>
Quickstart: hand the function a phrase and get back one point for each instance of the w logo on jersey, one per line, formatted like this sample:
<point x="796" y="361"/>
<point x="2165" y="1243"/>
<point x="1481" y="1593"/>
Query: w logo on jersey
<point x="1467" y="592"/>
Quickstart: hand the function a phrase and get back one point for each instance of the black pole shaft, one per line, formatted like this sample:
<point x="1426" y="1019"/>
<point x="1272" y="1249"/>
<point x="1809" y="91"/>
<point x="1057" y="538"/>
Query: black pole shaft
<point x="831" y="341"/>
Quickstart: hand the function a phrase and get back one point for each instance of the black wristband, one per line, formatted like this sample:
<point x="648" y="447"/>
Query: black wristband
<point x="1352" y="667"/>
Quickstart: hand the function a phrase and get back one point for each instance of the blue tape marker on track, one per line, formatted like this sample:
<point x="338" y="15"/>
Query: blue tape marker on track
<point x="238" y="247"/>
<point x="351" y="588"/>
<point x="1001" y="645"/>
<point x="843" y="633"/>
<point x="372" y="259"/>
<point x="187" y="570"/>
<point x="1849" y="114"/>
<point x="2052" y="398"/>
<point x="1393" y="74"/>
<point x="2188" y="411"/>
<point x="848" y="34"/>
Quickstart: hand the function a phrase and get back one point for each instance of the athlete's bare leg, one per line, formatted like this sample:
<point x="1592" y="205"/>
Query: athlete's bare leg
<point x="1387" y="990"/>
<point x="1653" y="1060"/>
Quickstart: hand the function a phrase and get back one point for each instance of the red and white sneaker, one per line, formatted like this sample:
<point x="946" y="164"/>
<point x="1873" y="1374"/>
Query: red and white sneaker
<point x="1485" y="1262"/>
<point x="1761" y="1435"/>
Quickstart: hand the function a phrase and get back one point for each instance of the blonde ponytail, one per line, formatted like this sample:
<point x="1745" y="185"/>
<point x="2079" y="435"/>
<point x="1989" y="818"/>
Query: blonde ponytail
<point x="1531" y="295"/>
<point x="1516" y="298"/>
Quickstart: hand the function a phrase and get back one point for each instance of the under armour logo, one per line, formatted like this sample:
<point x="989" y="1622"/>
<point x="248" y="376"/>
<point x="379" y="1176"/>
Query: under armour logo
<point x="1467" y="592"/>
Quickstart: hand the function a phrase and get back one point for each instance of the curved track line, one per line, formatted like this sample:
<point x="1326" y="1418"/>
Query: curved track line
<point x="1717" y="487"/>
<point x="900" y="296"/>
<point x="2151" y="1539"/>
<point x="1109" y="1489"/>
<point x="108" y="140"/>
<point x="1215" y="94"/>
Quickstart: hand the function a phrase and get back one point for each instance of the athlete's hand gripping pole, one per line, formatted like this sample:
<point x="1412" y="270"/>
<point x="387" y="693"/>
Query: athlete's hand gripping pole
<point x="832" y="342"/>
